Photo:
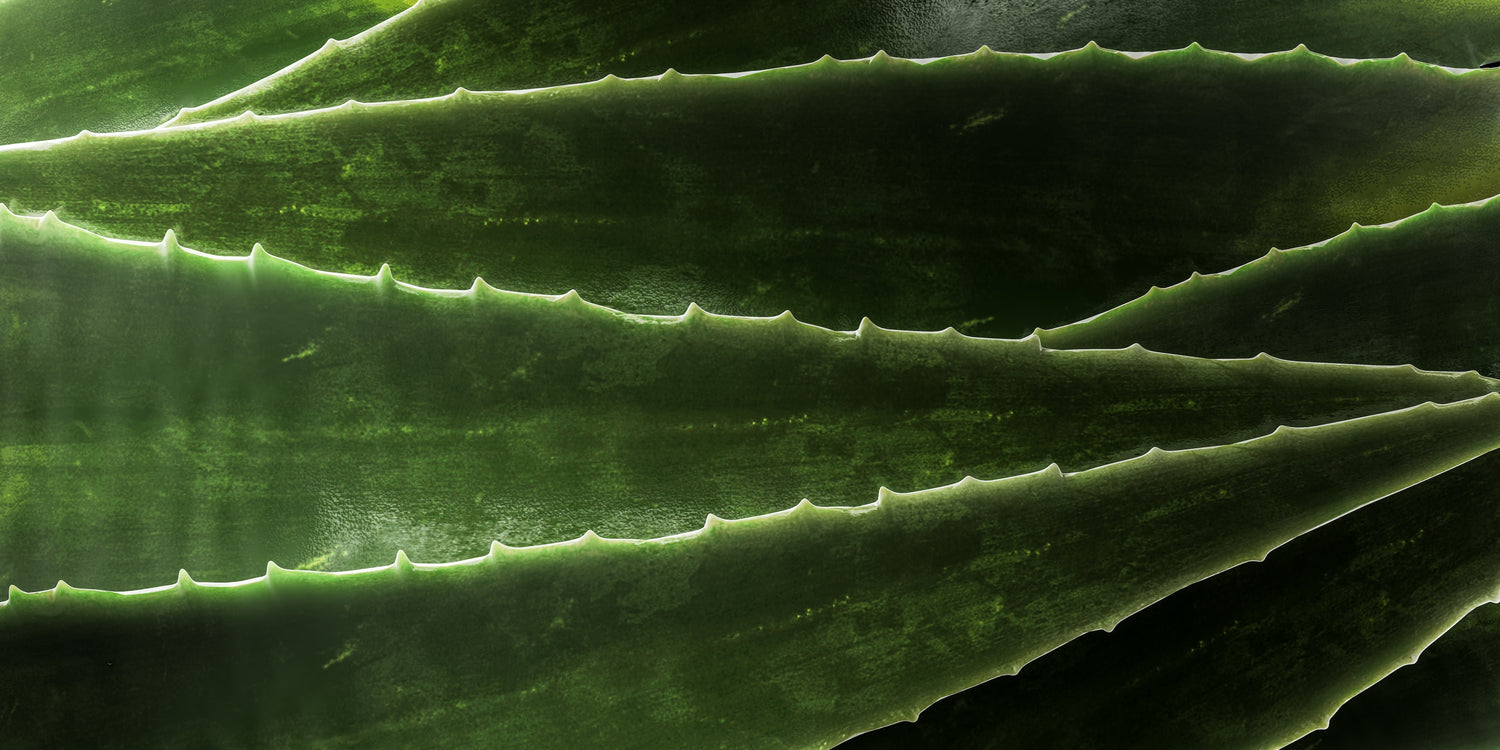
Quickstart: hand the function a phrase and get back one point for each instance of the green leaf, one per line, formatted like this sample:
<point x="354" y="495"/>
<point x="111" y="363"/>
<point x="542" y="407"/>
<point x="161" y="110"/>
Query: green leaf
<point x="989" y="192"/>
<point x="170" y="410"/>
<point x="71" y="65"/>
<point x="482" y="44"/>
<point x="799" y="628"/>
<point x="1421" y="290"/>
<point x="1261" y="654"/>
<point x="1446" y="701"/>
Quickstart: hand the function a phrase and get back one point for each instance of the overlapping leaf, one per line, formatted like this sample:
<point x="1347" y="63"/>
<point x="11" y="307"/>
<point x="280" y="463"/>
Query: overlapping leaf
<point x="338" y="418"/>
<point x="169" y="410"/>
<point x="801" y="628"/>
<point x="990" y="192"/>
<point x="71" y="65"/>
<point x="487" y="44"/>
<point x="1419" y="291"/>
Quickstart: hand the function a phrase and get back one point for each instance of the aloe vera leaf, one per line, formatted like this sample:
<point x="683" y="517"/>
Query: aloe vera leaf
<point x="71" y="65"/>
<point x="1445" y="701"/>
<point x="166" y="410"/>
<point x="799" y="628"/>
<point x="485" y="44"/>
<point x="964" y="191"/>
<point x="1259" y="655"/>
<point x="1420" y="290"/>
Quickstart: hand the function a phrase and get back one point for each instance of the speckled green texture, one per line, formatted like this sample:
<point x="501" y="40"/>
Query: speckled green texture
<point x="1421" y="291"/>
<point x="514" y="44"/>
<point x="1259" y="655"/>
<point x="994" y="193"/>
<point x="71" y="65"/>
<point x="163" y="410"/>
<point x="796" y="629"/>
<point x="178" y="411"/>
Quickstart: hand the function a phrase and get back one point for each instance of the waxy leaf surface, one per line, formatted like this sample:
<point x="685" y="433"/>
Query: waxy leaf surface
<point x="1419" y="291"/>
<point x="169" y="410"/>
<point x="994" y="193"/>
<point x="71" y="65"/>
<point x="800" y="628"/>
<point x="1259" y="655"/>
<point x="440" y="45"/>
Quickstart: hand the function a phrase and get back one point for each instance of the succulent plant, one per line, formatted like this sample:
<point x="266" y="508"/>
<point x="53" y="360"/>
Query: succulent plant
<point x="444" y="388"/>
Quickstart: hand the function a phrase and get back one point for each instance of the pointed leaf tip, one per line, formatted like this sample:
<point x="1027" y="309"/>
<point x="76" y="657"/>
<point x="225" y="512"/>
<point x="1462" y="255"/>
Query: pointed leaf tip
<point x="184" y="580"/>
<point x="403" y="563"/>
